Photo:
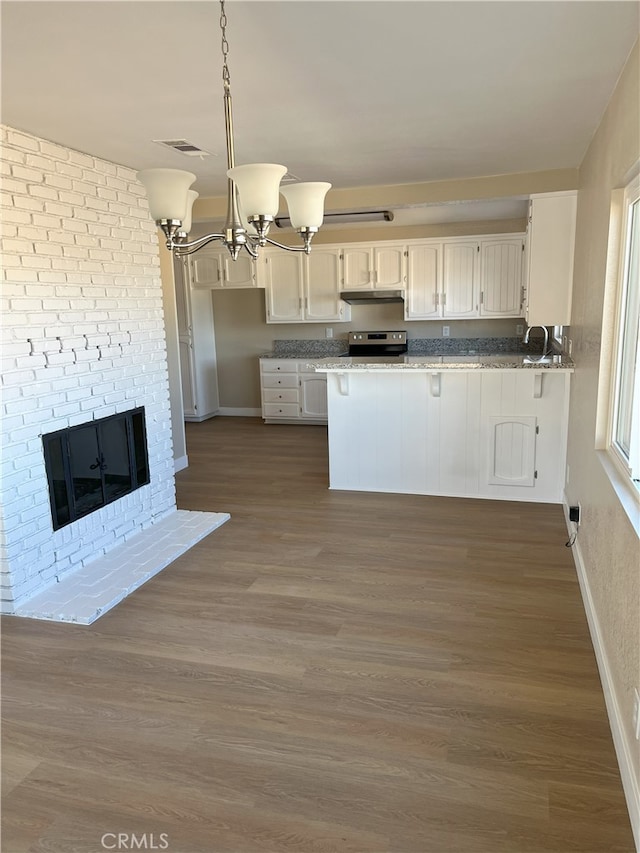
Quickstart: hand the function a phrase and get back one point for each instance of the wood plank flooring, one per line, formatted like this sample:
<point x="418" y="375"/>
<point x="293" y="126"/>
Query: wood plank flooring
<point x="329" y="672"/>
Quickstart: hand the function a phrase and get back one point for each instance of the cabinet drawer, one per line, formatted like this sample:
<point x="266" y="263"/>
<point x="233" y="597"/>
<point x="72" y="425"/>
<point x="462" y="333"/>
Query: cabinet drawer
<point x="281" y="410"/>
<point x="279" y="380"/>
<point x="277" y="365"/>
<point x="280" y="395"/>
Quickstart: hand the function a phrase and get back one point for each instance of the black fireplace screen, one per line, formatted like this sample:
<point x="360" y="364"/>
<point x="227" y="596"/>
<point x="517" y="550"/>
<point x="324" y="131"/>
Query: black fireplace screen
<point x="94" y="464"/>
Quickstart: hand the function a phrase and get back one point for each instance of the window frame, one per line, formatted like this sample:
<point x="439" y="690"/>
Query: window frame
<point x="613" y="462"/>
<point x="625" y="303"/>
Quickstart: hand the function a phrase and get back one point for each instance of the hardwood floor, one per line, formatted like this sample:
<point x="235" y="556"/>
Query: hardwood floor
<point x="329" y="671"/>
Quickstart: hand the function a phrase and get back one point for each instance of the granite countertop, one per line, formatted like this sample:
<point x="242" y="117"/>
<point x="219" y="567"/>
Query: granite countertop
<point x="503" y="361"/>
<point x="424" y="354"/>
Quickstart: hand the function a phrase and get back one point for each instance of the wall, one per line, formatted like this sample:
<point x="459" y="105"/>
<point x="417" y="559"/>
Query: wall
<point x="242" y="334"/>
<point x="466" y="189"/>
<point x="83" y="338"/>
<point x="608" y="545"/>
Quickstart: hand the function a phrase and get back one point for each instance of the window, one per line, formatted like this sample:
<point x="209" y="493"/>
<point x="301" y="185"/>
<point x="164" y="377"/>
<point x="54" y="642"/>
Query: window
<point x="557" y="334"/>
<point x="624" y="433"/>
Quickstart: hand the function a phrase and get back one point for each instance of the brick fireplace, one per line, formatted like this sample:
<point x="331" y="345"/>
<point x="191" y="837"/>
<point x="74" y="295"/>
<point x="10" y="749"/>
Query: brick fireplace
<point x="83" y="339"/>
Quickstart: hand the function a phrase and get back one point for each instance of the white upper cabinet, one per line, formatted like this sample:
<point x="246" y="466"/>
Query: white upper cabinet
<point x="460" y="279"/>
<point x="549" y="264"/>
<point x="302" y="288"/>
<point x="358" y="268"/>
<point x="214" y="268"/>
<point x="283" y="273"/>
<point x="368" y="267"/>
<point x="501" y="292"/>
<point x="203" y="269"/>
<point x="322" y="286"/>
<point x="388" y="266"/>
<point x="238" y="273"/>
<point x="424" y="282"/>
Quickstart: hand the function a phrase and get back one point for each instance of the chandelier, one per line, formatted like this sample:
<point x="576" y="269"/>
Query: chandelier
<point x="253" y="188"/>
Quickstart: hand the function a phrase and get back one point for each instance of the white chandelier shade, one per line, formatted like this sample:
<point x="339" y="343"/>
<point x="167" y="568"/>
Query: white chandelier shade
<point x="306" y="203"/>
<point x="192" y="195"/>
<point x="258" y="186"/>
<point x="167" y="192"/>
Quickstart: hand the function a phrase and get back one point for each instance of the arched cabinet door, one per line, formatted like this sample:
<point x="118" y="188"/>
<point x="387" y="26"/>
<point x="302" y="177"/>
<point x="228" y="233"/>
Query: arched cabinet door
<point x="512" y="450"/>
<point x="460" y="279"/>
<point x="501" y="277"/>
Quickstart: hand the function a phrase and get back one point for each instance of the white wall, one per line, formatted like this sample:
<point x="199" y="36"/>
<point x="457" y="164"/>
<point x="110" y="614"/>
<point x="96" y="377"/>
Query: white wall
<point x="83" y="338"/>
<point x="607" y="547"/>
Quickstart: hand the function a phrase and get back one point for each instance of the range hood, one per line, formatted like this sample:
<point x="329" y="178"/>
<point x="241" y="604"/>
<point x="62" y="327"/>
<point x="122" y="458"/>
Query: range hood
<point x="371" y="297"/>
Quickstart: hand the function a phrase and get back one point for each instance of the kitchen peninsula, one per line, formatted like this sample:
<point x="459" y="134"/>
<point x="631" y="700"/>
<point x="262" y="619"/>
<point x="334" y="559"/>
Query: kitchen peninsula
<point x="490" y="426"/>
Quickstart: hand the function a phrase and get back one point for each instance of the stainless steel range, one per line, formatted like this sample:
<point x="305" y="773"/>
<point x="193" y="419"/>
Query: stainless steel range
<point x="377" y="344"/>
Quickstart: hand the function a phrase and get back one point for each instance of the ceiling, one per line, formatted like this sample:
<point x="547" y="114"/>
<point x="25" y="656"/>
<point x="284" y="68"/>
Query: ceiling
<point x="358" y="93"/>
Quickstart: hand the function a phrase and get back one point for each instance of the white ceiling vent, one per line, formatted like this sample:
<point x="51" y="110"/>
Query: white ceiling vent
<point x="184" y="147"/>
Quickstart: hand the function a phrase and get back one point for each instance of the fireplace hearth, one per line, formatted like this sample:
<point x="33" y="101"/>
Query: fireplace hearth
<point x="93" y="464"/>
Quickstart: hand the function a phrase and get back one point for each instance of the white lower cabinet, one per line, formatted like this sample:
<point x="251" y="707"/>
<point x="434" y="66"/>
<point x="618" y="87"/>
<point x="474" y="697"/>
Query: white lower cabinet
<point x="492" y="434"/>
<point x="313" y="395"/>
<point x="290" y="392"/>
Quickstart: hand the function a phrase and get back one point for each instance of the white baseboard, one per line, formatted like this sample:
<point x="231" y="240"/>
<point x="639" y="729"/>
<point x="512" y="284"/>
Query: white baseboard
<point x="180" y="463"/>
<point x="231" y="412"/>
<point x="620" y="741"/>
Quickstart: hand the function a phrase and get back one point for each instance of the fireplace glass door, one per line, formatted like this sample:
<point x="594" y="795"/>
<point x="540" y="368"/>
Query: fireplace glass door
<point x="94" y="464"/>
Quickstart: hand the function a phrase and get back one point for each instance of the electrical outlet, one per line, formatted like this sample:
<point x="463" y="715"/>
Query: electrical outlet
<point x="445" y="331"/>
<point x="328" y="333"/>
<point x="519" y="329"/>
<point x="636" y="713"/>
<point x="564" y="343"/>
<point x="570" y="350"/>
<point x="574" y="515"/>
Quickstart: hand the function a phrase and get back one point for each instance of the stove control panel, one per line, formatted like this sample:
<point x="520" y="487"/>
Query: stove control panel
<point x="377" y="337"/>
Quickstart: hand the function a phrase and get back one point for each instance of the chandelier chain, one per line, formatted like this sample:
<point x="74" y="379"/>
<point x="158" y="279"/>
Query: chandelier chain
<point x="226" y="79"/>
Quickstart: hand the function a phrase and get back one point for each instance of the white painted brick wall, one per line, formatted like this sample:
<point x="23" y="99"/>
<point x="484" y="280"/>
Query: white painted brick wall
<point x="82" y="338"/>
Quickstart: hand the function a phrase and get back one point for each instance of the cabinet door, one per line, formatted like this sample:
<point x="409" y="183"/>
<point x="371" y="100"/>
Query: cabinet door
<point x="501" y="277"/>
<point x="238" y="273"/>
<point x="204" y="269"/>
<point x="424" y="275"/>
<point x="183" y="308"/>
<point x="187" y="377"/>
<point x="283" y="287"/>
<point x="388" y="266"/>
<point x="357" y="268"/>
<point x="313" y="395"/>
<point x="322" y="286"/>
<point x="551" y="238"/>
<point x="512" y="446"/>
<point x="459" y="284"/>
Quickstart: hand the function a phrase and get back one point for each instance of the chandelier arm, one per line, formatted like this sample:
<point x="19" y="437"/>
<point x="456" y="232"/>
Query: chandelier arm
<point x="251" y="251"/>
<point x="288" y="248"/>
<point x="193" y="245"/>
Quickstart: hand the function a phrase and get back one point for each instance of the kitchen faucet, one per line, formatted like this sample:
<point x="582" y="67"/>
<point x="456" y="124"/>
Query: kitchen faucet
<point x="545" y="347"/>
